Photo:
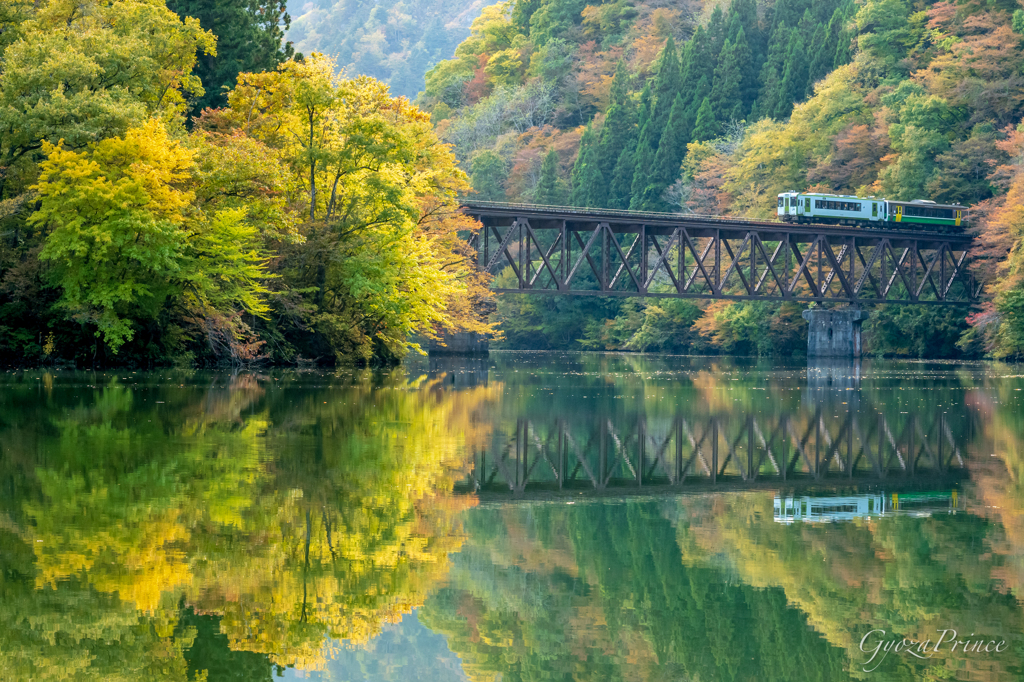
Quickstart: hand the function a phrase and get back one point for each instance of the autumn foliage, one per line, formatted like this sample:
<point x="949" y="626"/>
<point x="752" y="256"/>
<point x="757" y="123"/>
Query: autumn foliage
<point x="716" y="108"/>
<point x="313" y="218"/>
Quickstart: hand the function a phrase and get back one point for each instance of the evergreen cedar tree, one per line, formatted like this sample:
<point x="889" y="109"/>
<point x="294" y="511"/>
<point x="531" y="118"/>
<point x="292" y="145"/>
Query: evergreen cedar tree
<point x="250" y="38"/>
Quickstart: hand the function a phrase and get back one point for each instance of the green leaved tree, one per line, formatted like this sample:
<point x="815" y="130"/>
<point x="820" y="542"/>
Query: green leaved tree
<point x="250" y="38"/>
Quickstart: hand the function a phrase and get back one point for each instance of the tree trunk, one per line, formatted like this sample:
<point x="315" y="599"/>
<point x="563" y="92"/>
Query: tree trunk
<point x="312" y="171"/>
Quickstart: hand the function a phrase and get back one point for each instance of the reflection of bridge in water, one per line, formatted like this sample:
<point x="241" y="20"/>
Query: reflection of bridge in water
<point x="551" y="456"/>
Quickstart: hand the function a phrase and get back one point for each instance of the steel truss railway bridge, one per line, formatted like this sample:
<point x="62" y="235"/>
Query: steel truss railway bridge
<point x="552" y="250"/>
<point x="542" y="457"/>
<point x="573" y="251"/>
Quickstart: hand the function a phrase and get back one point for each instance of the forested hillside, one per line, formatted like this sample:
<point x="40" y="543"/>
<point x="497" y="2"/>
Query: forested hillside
<point x="717" y="107"/>
<point x="395" y="41"/>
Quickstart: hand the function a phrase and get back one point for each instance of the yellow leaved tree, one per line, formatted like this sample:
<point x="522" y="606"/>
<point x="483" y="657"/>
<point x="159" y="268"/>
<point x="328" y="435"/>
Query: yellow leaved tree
<point x="384" y="255"/>
<point x="127" y="241"/>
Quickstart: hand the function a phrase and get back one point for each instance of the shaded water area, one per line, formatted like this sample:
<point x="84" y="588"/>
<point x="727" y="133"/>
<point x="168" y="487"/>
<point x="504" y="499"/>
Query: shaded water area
<point x="528" y="516"/>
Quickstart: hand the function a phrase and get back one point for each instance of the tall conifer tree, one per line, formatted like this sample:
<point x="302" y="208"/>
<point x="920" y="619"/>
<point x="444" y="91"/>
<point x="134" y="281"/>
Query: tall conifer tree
<point x="551" y="189"/>
<point x="700" y="92"/>
<point x="821" y="53"/>
<point x="643" y="168"/>
<point x="745" y="61"/>
<point x="707" y="127"/>
<point x="667" y="84"/>
<point x="844" y="39"/>
<point x="589" y="187"/>
<point x="726" y="95"/>
<point x="794" y="76"/>
<point x="669" y="159"/>
<point x="250" y="38"/>
<point x="643" y="155"/>
<point x="620" y="191"/>
<point x="716" y="33"/>
<point x="745" y="13"/>
<point x="771" y="97"/>
<point x="619" y="125"/>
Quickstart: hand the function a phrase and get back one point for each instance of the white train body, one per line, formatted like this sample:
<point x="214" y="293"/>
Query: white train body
<point x="831" y="208"/>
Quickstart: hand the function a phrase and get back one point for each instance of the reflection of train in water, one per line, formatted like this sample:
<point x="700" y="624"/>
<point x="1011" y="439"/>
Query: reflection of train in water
<point x="825" y="509"/>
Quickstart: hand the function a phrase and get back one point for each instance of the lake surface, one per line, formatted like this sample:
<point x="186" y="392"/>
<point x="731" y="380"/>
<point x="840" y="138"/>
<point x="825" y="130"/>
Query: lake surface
<point x="528" y="516"/>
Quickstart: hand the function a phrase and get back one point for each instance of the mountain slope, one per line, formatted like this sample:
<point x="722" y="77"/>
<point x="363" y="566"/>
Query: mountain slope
<point x="395" y="41"/>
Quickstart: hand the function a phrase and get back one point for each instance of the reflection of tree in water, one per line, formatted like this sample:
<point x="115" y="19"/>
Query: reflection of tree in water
<point x="133" y="498"/>
<point x="188" y="522"/>
<point x="909" y="576"/>
<point x="713" y="588"/>
<point x="599" y="591"/>
<point x="998" y="481"/>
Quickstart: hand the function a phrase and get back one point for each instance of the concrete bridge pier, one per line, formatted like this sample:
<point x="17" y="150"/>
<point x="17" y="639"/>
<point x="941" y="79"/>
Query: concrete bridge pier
<point x="834" y="333"/>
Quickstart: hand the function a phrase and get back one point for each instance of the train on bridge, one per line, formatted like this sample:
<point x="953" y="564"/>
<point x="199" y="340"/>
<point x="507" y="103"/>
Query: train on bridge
<point x="921" y="214"/>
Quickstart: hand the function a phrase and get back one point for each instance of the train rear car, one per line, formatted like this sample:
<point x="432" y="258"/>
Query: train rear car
<point x="927" y="215"/>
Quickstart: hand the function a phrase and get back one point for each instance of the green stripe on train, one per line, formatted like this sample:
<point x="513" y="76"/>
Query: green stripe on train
<point x="926" y="221"/>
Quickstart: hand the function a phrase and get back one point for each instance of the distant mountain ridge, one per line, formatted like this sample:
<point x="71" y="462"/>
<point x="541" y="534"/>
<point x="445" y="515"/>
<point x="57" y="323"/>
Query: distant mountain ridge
<point x="395" y="41"/>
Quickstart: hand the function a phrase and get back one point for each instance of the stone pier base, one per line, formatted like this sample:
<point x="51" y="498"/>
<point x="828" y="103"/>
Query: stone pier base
<point x="834" y="333"/>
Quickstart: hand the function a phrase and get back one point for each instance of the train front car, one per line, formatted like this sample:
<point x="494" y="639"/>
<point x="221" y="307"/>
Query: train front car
<point x="787" y="210"/>
<point x="927" y="215"/>
<point x="831" y="209"/>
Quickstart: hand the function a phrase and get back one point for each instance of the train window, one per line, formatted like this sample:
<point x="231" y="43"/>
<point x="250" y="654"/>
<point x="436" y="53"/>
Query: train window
<point x="837" y="205"/>
<point x="928" y="212"/>
<point x="780" y="202"/>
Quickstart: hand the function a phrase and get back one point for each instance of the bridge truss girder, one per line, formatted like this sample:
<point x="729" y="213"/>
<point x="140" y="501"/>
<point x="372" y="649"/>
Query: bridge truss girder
<point x="613" y="255"/>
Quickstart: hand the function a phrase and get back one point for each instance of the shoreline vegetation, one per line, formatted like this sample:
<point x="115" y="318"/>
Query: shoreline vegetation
<point x="178" y="186"/>
<point x="311" y="215"/>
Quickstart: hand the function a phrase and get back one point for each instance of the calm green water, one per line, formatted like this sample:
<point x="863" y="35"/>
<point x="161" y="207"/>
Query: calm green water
<point x="522" y="517"/>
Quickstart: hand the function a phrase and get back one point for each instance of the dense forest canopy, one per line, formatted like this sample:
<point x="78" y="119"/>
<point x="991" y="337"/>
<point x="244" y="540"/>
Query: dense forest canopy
<point x="714" y="108"/>
<point x="310" y="216"/>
